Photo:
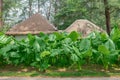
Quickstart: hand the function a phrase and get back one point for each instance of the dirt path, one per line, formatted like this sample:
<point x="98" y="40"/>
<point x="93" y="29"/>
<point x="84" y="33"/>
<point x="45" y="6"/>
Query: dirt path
<point x="49" y="78"/>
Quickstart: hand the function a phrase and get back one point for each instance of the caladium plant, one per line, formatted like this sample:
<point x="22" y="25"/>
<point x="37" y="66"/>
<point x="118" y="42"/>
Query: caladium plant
<point x="61" y="50"/>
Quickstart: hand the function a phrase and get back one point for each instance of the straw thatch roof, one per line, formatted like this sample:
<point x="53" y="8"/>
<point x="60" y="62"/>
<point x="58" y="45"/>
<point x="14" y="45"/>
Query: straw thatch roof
<point x="34" y="25"/>
<point x="83" y="26"/>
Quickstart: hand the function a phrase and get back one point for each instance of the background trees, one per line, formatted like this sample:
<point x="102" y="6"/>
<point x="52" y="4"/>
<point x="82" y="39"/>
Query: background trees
<point x="62" y="13"/>
<point x="1" y="4"/>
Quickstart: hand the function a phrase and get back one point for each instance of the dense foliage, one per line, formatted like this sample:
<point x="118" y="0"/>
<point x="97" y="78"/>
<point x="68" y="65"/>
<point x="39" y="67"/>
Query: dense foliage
<point x="61" y="12"/>
<point x="61" y="50"/>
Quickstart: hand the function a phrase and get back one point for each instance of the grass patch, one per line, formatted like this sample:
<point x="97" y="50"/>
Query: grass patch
<point x="88" y="71"/>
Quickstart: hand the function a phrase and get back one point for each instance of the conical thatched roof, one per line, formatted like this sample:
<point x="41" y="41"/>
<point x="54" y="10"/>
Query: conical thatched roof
<point x="83" y="26"/>
<point x="34" y="25"/>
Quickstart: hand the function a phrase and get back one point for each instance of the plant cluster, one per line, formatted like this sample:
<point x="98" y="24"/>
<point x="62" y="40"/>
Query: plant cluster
<point x="61" y="50"/>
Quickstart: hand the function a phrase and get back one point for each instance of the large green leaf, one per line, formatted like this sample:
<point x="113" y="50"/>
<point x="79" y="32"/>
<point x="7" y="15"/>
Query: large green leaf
<point x="76" y="50"/>
<point x="74" y="58"/>
<point x="74" y="35"/>
<point x="59" y="36"/>
<point x="115" y="34"/>
<point x="114" y="56"/>
<point x="36" y="44"/>
<point x="110" y="45"/>
<point x="4" y="40"/>
<point x="104" y="36"/>
<point x="67" y="41"/>
<point x="103" y="49"/>
<point x="31" y="39"/>
<point x="55" y="52"/>
<point x="87" y="53"/>
<point x="85" y="44"/>
<point x="44" y="54"/>
<point x="5" y="49"/>
<point x="52" y="37"/>
<point x="14" y="55"/>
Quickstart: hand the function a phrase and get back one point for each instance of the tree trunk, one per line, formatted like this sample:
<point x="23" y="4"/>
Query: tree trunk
<point x="55" y="9"/>
<point x="107" y="16"/>
<point x="56" y="6"/>
<point x="38" y="6"/>
<point x="49" y="10"/>
<point x="30" y="8"/>
<point x="1" y="22"/>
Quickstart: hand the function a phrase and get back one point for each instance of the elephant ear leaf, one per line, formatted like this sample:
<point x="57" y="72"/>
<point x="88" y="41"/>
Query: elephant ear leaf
<point x="5" y="49"/>
<point x="88" y="53"/>
<point x="36" y="44"/>
<point x="14" y="55"/>
<point x="59" y="36"/>
<point x="110" y="45"/>
<point x="85" y="44"/>
<point x="74" y="58"/>
<point x="52" y="37"/>
<point x="115" y="33"/>
<point x="73" y="35"/>
<point x="104" y="36"/>
<point x="44" y="54"/>
<point x="103" y="49"/>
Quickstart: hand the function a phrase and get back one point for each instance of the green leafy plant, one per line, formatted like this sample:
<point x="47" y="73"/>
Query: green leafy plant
<point x="61" y="50"/>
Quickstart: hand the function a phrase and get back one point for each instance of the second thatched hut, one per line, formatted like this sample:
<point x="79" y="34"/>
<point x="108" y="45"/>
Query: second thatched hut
<point x="83" y="26"/>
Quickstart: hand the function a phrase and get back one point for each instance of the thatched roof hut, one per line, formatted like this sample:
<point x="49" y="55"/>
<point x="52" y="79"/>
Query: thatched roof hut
<point x="34" y="25"/>
<point x="83" y="26"/>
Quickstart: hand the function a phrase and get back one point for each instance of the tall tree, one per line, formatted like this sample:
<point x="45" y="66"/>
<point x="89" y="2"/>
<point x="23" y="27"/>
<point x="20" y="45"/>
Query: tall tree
<point x="1" y="5"/>
<point x="49" y="10"/>
<point x="68" y="12"/>
<point x="39" y="6"/>
<point x="107" y="16"/>
<point x="62" y="12"/>
<point x="30" y="8"/>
